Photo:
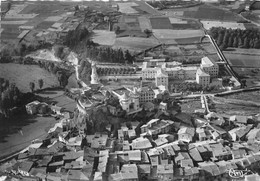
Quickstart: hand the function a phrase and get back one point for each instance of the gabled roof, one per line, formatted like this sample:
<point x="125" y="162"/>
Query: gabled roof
<point x="217" y="129"/>
<point x="134" y="155"/>
<point x="239" y="119"/>
<point x="186" y="163"/>
<point x="144" y="168"/>
<point x="129" y="171"/>
<point x="184" y="118"/>
<point x="72" y="155"/>
<point x="165" y="169"/>
<point x="195" y="155"/>
<point x="77" y="175"/>
<point x="25" y="166"/>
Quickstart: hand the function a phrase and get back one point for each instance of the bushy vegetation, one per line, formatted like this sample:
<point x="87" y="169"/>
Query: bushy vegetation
<point x="11" y="98"/>
<point x="193" y="87"/>
<point x="107" y="54"/>
<point x="75" y="36"/>
<point x="237" y="38"/>
<point x="62" y="74"/>
<point x="115" y="71"/>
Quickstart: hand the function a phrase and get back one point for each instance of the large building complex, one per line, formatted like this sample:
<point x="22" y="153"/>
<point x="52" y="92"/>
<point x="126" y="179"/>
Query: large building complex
<point x="163" y="72"/>
<point x="210" y="67"/>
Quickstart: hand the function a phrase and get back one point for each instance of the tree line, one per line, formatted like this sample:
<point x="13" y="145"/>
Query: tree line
<point x="115" y="71"/>
<point x="237" y="38"/>
<point x="73" y="37"/>
<point x="107" y="54"/>
<point x="61" y="74"/>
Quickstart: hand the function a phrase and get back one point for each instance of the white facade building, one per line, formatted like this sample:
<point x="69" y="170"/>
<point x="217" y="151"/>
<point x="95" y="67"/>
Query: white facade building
<point x="161" y="79"/>
<point x="202" y="78"/>
<point x="210" y="67"/>
<point x="129" y="99"/>
<point x="94" y="75"/>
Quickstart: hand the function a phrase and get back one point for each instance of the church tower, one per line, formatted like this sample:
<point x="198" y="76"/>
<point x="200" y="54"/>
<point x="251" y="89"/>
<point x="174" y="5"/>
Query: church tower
<point x="135" y="99"/>
<point x="94" y="75"/>
<point x="125" y="102"/>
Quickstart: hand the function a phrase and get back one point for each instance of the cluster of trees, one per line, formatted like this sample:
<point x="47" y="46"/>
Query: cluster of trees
<point x="107" y="54"/>
<point x="32" y="85"/>
<point x="10" y="96"/>
<point x="73" y="37"/>
<point x="237" y="38"/>
<point x="61" y="74"/>
<point x="193" y="87"/>
<point x="84" y="70"/>
<point x="115" y="71"/>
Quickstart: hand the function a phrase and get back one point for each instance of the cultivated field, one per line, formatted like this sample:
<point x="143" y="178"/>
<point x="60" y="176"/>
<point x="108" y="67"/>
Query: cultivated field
<point x="251" y="75"/>
<point x="127" y="7"/>
<point x="135" y="43"/>
<point x="160" y="23"/>
<point x="144" y="23"/>
<point x="206" y="12"/>
<point x="145" y="8"/>
<point x="104" y="37"/>
<point x="244" y="51"/>
<point x="22" y="75"/>
<point x="233" y="25"/>
<point x="32" y="14"/>
<point x="178" y="36"/>
<point x="243" y="60"/>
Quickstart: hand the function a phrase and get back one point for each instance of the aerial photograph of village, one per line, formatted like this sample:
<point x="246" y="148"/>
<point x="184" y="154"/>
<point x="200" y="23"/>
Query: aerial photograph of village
<point x="114" y="90"/>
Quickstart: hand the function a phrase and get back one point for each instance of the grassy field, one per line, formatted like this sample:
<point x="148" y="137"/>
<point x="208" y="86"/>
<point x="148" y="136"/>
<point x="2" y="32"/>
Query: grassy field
<point x="143" y="7"/>
<point x="251" y="75"/>
<point x="129" y="26"/>
<point x="243" y="60"/>
<point x="22" y="75"/>
<point x="33" y="127"/>
<point x="127" y="8"/>
<point x="144" y="23"/>
<point x="104" y="37"/>
<point x="206" y="12"/>
<point x="244" y="51"/>
<point x="256" y="5"/>
<point x="135" y="43"/>
<point x="233" y="25"/>
<point x="177" y="34"/>
<point x="160" y="23"/>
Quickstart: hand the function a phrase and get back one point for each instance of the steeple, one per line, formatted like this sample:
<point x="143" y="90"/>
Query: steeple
<point x="94" y="75"/>
<point x="124" y="97"/>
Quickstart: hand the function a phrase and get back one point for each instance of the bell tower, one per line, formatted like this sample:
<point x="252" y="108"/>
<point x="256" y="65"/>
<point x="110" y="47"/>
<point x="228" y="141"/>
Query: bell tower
<point x="94" y="75"/>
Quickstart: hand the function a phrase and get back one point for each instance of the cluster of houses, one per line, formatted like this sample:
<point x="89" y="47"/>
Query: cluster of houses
<point x="42" y="108"/>
<point x="184" y="148"/>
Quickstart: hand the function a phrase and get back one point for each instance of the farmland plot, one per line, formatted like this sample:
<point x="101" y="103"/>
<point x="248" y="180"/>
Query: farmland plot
<point x="143" y="6"/>
<point x="135" y="43"/>
<point x="243" y="60"/>
<point x="104" y="37"/>
<point x="144" y="23"/>
<point x="233" y="25"/>
<point x="175" y="34"/>
<point x="22" y="75"/>
<point x="212" y="13"/>
<point x="160" y="23"/>
<point x="127" y="8"/>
